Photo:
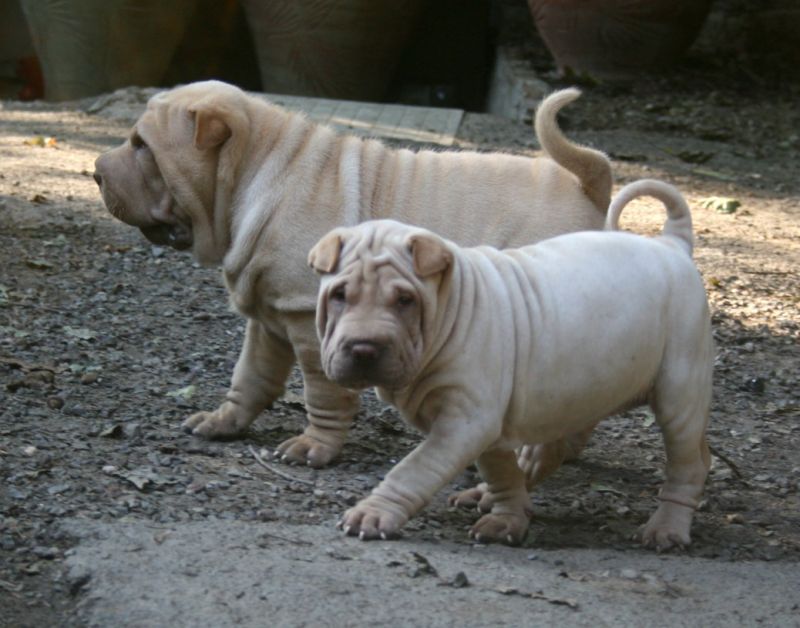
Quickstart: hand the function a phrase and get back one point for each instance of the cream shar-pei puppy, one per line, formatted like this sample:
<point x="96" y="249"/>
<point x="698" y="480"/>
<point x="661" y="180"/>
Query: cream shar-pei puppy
<point x="248" y="185"/>
<point x="486" y="350"/>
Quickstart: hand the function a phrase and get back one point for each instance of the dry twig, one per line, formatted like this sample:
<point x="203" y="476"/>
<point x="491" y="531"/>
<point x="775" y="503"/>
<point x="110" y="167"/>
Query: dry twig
<point x="278" y="472"/>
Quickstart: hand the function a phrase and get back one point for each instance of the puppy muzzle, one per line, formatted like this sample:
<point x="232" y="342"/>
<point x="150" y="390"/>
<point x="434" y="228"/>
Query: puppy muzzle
<point x="361" y="363"/>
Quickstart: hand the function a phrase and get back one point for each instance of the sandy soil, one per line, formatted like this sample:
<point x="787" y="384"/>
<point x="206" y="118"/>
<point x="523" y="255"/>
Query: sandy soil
<point x="107" y="343"/>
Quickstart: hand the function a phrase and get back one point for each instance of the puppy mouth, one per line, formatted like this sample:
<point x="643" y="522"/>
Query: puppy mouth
<point x="176" y="236"/>
<point x="358" y="377"/>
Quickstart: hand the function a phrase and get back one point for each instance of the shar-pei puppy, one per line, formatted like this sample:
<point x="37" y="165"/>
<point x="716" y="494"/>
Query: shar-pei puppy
<point x="250" y="186"/>
<point x="485" y="351"/>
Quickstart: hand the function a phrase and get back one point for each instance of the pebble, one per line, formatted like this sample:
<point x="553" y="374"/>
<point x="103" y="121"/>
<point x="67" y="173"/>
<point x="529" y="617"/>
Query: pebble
<point x="90" y="377"/>
<point x="47" y="553"/>
<point x="74" y="409"/>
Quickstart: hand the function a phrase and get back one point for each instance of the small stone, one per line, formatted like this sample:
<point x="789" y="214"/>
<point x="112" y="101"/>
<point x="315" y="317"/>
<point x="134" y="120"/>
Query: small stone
<point x="629" y="574"/>
<point x="734" y="518"/>
<point x="90" y="377"/>
<point x="30" y="450"/>
<point x="47" y="553"/>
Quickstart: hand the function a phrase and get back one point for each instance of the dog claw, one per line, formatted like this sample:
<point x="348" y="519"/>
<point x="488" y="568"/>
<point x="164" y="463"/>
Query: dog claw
<point x="361" y="535"/>
<point x="347" y="530"/>
<point x="383" y="535"/>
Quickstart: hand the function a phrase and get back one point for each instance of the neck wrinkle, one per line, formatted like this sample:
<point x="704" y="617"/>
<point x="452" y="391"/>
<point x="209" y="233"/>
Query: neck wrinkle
<point x="382" y="182"/>
<point x="450" y="299"/>
<point x="251" y="212"/>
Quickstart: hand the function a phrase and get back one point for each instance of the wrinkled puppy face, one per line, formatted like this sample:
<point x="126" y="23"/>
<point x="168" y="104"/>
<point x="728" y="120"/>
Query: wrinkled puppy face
<point x="373" y="302"/>
<point x="162" y="179"/>
<point x="135" y="192"/>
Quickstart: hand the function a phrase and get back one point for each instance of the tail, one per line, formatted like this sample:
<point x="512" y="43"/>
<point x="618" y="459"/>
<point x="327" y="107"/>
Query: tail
<point x="592" y="167"/>
<point x="679" y="218"/>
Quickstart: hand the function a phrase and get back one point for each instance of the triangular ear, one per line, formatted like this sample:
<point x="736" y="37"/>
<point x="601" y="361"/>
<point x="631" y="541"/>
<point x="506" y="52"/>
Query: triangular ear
<point x="210" y="128"/>
<point x="325" y="255"/>
<point x="430" y="254"/>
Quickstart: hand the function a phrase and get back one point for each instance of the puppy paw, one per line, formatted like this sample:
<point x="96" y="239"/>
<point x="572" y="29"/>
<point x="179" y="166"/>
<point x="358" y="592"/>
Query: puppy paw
<point x="369" y="521"/>
<point x="508" y="528"/>
<point x="667" y="528"/>
<point x="307" y="450"/>
<point x="477" y="497"/>
<point x="228" y="421"/>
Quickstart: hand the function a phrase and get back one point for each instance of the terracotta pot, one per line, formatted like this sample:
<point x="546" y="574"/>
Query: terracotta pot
<point x="617" y="39"/>
<point x="88" y="47"/>
<point x="334" y="48"/>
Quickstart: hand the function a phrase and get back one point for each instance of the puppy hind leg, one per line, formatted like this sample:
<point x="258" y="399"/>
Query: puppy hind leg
<point x="258" y="379"/>
<point x="511" y="505"/>
<point x="541" y="460"/>
<point x="537" y="462"/>
<point x="476" y="497"/>
<point x="682" y="410"/>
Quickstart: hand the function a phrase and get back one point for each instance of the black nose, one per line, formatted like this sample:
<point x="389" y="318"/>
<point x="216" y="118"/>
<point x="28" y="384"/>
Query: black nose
<point x="98" y="179"/>
<point x="364" y="351"/>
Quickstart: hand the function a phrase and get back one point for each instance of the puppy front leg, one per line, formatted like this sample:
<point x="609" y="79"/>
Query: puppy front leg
<point x="413" y="482"/>
<point x="330" y="407"/>
<point x="258" y="379"/>
<point x="511" y="505"/>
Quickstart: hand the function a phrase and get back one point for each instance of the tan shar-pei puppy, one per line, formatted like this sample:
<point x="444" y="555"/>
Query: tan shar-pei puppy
<point x="250" y="186"/>
<point x="486" y="350"/>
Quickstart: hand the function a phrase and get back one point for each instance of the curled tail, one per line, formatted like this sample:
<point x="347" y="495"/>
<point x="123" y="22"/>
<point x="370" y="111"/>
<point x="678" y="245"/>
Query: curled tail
<point x="592" y="167"/>
<point x="679" y="218"/>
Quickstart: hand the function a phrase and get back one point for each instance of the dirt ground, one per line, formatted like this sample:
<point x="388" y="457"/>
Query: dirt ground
<point x="107" y="343"/>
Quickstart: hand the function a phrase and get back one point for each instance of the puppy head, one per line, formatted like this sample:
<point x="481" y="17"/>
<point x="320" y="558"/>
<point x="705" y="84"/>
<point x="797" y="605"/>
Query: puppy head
<point x="378" y="301"/>
<point x="180" y="156"/>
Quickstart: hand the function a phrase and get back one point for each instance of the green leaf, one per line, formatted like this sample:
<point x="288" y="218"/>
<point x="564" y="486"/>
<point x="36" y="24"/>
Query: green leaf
<point x="721" y="204"/>
<point x="187" y="392"/>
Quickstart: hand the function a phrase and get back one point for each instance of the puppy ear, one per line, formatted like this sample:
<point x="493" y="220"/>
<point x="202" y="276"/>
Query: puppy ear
<point x="430" y="254"/>
<point x="210" y="128"/>
<point x="325" y="255"/>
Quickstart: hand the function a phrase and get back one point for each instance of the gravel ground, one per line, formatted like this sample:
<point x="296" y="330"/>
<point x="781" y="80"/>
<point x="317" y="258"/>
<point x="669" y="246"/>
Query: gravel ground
<point x="107" y="343"/>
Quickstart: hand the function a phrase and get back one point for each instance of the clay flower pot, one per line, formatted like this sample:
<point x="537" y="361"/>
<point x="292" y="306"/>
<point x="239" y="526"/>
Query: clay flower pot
<point x="333" y="48"/>
<point x="617" y="39"/>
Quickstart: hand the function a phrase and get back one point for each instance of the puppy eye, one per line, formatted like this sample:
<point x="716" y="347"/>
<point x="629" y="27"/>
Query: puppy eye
<point x="404" y="299"/>
<point x="338" y="294"/>
<point x="137" y="142"/>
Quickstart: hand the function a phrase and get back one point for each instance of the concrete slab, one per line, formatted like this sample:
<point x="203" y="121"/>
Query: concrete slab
<point x="404" y="122"/>
<point x="228" y="573"/>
